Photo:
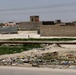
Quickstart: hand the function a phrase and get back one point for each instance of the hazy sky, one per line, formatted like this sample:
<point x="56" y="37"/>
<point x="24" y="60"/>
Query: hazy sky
<point x="21" y="10"/>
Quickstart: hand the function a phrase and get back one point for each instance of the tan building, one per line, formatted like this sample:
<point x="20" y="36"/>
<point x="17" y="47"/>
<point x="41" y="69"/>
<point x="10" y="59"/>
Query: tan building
<point x="10" y="24"/>
<point x="58" y="29"/>
<point x="48" y="28"/>
<point x="34" y="24"/>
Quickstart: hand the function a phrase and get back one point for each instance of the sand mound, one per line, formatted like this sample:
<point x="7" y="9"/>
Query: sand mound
<point x="33" y="52"/>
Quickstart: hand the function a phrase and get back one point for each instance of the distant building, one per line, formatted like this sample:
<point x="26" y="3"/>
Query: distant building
<point x="48" y="28"/>
<point x="10" y="24"/>
<point x="44" y="28"/>
<point x="34" y="18"/>
<point x="34" y="24"/>
<point x="58" y="28"/>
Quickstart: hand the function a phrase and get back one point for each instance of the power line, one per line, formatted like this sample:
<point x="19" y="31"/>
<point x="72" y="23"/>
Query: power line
<point x="41" y="12"/>
<point x="42" y="7"/>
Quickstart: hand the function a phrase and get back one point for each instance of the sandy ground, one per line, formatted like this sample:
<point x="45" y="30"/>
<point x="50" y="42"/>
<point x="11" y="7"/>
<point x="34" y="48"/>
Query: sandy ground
<point x="25" y="34"/>
<point x="50" y="48"/>
<point x="33" y="34"/>
<point x="21" y="34"/>
<point x="34" y="71"/>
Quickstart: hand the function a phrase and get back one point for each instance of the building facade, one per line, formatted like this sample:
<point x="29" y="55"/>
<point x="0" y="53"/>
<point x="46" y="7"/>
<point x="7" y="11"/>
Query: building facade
<point x="44" y="28"/>
<point x="58" y="29"/>
<point x="34" y="24"/>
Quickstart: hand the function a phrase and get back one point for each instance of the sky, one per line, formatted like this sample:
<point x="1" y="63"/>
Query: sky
<point x="48" y="10"/>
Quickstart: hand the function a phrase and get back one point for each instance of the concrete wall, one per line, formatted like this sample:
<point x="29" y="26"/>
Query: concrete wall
<point x="57" y="30"/>
<point x="23" y="26"/>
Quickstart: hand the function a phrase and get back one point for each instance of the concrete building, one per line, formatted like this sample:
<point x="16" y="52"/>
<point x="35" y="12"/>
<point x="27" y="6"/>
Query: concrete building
<point x="34" y="19"/>
<point x="34" y="24"/>
<point x="48" y="28"/>
<point x="10" y="24"/>
<point x="45" y="28"/>
<point x="58" y="28"/>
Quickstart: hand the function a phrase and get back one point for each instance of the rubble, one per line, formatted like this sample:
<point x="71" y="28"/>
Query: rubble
<point x="54" y="57"/>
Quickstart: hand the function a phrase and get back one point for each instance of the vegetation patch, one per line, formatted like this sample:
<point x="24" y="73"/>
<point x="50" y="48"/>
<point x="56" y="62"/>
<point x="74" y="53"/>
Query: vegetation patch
<point x="17" y="49"/>
<point x="43" y="39"/>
